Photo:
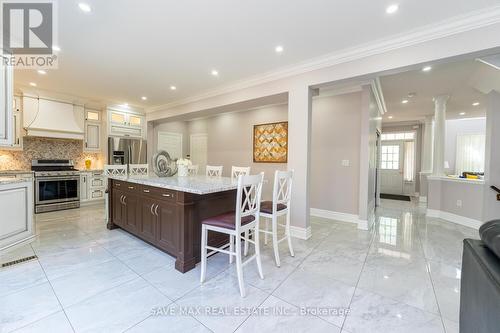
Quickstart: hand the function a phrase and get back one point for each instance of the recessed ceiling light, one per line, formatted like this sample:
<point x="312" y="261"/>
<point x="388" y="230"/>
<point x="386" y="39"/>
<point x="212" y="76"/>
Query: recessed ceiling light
<point x="475" y="104"/>
<point x="462" y="113"/>
<point x="390" y="117"/>
<point x="278" y="49"/>
<point x="33" y="84"/>
<point x="426" y="69"/>
<point x="41" y="72"/>
<point x="392" y="8"/>
<point x="214" y="72"/>
<point x="404" y="101"/>
<point x="84" y="7"/>
<point x="174" y="87"/>
<point x="144" y="98"/>
<point x="56" y="48"/>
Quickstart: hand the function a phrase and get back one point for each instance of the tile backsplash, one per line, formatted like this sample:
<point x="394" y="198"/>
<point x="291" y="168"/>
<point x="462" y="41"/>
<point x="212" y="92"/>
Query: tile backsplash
<point x="46" y="148"/>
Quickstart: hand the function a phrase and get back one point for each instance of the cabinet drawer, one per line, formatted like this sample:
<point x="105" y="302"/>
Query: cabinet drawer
<point x="97" y="194"/>
<point x="131" y="187"/>
<point x="119" y="185"/>
<point x="97" y="182"/>
<point x="160" y="193"/>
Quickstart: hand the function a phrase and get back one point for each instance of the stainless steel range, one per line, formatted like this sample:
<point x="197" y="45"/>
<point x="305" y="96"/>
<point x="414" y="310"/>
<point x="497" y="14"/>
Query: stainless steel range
<point x="57" y="185"/>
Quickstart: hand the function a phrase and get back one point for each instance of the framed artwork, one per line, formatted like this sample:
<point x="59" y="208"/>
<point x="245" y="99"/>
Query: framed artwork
<point x="270" y="143"/>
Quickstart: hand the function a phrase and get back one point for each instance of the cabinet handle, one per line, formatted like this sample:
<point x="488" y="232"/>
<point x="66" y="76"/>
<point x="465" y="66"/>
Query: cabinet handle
<point x="151" y="209"/>
<point x="121" y="199"/>
<point x="166" y="195"/>
<point x="124" y="198"/>
<point x="130" y="187"/>
<point x="118" y="184"/>
<point x="156" y="210"/>
<point x="146" y="191"/>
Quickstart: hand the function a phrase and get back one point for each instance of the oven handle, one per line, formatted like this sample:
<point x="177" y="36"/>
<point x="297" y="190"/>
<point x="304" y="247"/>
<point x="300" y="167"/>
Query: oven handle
<point x="44" y="179"/>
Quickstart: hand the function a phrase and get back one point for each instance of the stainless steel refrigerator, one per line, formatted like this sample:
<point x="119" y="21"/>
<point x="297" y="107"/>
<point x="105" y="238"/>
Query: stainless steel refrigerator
<point x="127" y="151"/>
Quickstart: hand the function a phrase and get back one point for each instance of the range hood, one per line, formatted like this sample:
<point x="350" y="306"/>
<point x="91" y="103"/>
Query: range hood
<point x="52" y="119"/>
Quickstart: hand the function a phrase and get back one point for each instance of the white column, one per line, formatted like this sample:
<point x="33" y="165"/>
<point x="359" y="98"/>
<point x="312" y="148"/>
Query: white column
<point x="427" y="144"/>
<point x="439" y="134"/>
<point x="299" y="150"/>
<point x="491" y="207"/>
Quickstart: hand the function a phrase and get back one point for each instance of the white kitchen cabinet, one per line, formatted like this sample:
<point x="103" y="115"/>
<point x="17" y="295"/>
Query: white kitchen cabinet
<point x="92" y="136"/>
<point x="84" y="187"/>
<point x="6" y="109"/>
<point x="92" y="187"/>
<point x="17" y="127"/>
<point x="16" y="205"/>
<point x="126" y="124"/>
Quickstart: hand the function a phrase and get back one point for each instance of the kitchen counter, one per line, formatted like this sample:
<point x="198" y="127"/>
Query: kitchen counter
<point x="167" y="212"/>
<point x="15" y="172"/>
<point x="192" y="184"/>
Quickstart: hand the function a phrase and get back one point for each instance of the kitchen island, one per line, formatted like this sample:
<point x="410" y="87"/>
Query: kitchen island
<point x="167" y="212"/>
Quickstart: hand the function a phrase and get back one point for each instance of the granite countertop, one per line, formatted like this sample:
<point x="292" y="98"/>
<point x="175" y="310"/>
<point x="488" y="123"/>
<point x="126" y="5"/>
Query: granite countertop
<point x="10" y="180"/>
<point x="191" y="184"/>
<point x="14" y="172"/>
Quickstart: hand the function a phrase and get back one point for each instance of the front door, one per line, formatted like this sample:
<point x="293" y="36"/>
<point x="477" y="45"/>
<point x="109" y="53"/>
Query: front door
<point x="391" y="167"/>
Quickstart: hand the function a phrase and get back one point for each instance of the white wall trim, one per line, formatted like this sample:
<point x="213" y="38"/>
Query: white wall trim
<point x="452" y="26"/>
<point x="300" y="233"/>
<point x="457" y="219"/>
<point x="338" y="216"/>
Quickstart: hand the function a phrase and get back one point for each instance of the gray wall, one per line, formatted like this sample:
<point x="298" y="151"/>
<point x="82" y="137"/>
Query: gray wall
<point x="460" y="126"/>
<point x="336" y="125"/>
<point x="335" y="137"/>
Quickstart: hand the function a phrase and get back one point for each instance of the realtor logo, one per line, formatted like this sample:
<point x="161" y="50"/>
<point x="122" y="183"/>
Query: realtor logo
<point x="28" y="33"/>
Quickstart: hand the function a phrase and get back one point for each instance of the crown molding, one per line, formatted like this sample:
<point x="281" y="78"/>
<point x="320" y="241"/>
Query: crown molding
<point x="452" y="26"/>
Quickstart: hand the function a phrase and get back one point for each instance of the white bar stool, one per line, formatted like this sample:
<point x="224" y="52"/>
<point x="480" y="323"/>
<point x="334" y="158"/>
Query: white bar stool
<point x="214" y="171"/>
<point x="112" y="170"/>
<point x="193" y="170"/>
<point x="280" y="206"/>
<point x="138" y="169"/>
<point x="244" y="218"/>
<point x="236" y="171"/>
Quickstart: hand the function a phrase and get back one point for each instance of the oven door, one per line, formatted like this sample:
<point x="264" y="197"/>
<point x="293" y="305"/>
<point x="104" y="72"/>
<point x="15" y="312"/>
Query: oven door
<point x="57" y="189"/>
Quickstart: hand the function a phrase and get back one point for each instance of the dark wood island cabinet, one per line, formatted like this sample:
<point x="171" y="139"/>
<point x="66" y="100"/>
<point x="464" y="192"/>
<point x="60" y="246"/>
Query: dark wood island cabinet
<point x="167" y="214"/>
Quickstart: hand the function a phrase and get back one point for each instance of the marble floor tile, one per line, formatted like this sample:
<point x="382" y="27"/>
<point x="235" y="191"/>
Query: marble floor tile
<point x="277" y="316"/>
<point x="20" y="276"/>
<point x="27" y="306"/>
<point x="310" y="289"/>
<point x="56" y="265"/>
<point x="221" y="297"/>
<point x="55" y="323"/>
<point x="90" y="281"/>
<point x="116" y="309"/>
<point x="16" y="252"/>
<point x="148" y="260"/>
<point x="171" y="320"/>
<point x="446" y="279"/>
<point x="372" y="313"/>
<point x="451" y="326"/>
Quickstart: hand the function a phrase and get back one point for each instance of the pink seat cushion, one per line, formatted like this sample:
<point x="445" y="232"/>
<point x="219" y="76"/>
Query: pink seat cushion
<point x="267" y="207"/>
<point x="226" y="220"/>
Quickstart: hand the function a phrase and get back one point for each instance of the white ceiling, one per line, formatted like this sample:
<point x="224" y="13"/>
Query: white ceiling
<point x="465" y="82"/>
<point x="125" y="49"/>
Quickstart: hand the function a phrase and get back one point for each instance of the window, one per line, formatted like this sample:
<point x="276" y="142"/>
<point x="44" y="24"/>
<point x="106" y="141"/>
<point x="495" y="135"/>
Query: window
<point x="470" y="153"/>
<point x="398" y="136"/>
<point x="409" y="165"/>
<point x="390" y="157"/>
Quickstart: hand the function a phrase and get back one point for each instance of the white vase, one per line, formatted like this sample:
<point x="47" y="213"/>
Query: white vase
<point x="182" y="170"/>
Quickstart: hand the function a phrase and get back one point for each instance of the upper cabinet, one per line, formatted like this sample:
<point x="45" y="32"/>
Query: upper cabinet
<point x="93" y="131"/>
<point x="6" y="109"/>
<point x="126" y="124"/>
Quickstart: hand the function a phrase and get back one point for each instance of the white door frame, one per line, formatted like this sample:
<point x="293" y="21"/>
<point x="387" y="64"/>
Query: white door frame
<point x="191" y="148"/>
<point x="174" y="134"/>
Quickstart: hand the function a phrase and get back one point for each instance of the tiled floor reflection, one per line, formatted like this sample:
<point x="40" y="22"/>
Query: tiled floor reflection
<point x="402" y="276"/>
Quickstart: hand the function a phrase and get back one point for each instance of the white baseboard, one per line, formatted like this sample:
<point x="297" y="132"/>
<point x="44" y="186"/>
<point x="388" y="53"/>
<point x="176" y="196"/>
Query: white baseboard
<point x="328" y="214"/>
<point x="362" y="224"/>
<point x="91" y="202"/>
<point x="454" y="218"/>
<point x="422" y="199"/>
<point x="301" y="233"/>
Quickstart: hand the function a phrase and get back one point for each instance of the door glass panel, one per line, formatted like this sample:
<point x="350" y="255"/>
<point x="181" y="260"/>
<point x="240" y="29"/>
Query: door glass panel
<point x="57" y="189"/>
<point x="118" y="118"/>
<point x="92" y="115"/>
<point x="390" y="157"/>
<point x="134" y="120"/>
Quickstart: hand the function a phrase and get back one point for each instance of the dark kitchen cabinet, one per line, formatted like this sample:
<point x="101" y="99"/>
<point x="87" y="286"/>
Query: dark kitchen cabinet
<point x="167" y="230"/>
<point x="131" y="202"/>
<point x="118" y="209"/>
<point x="149" y="219"/>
